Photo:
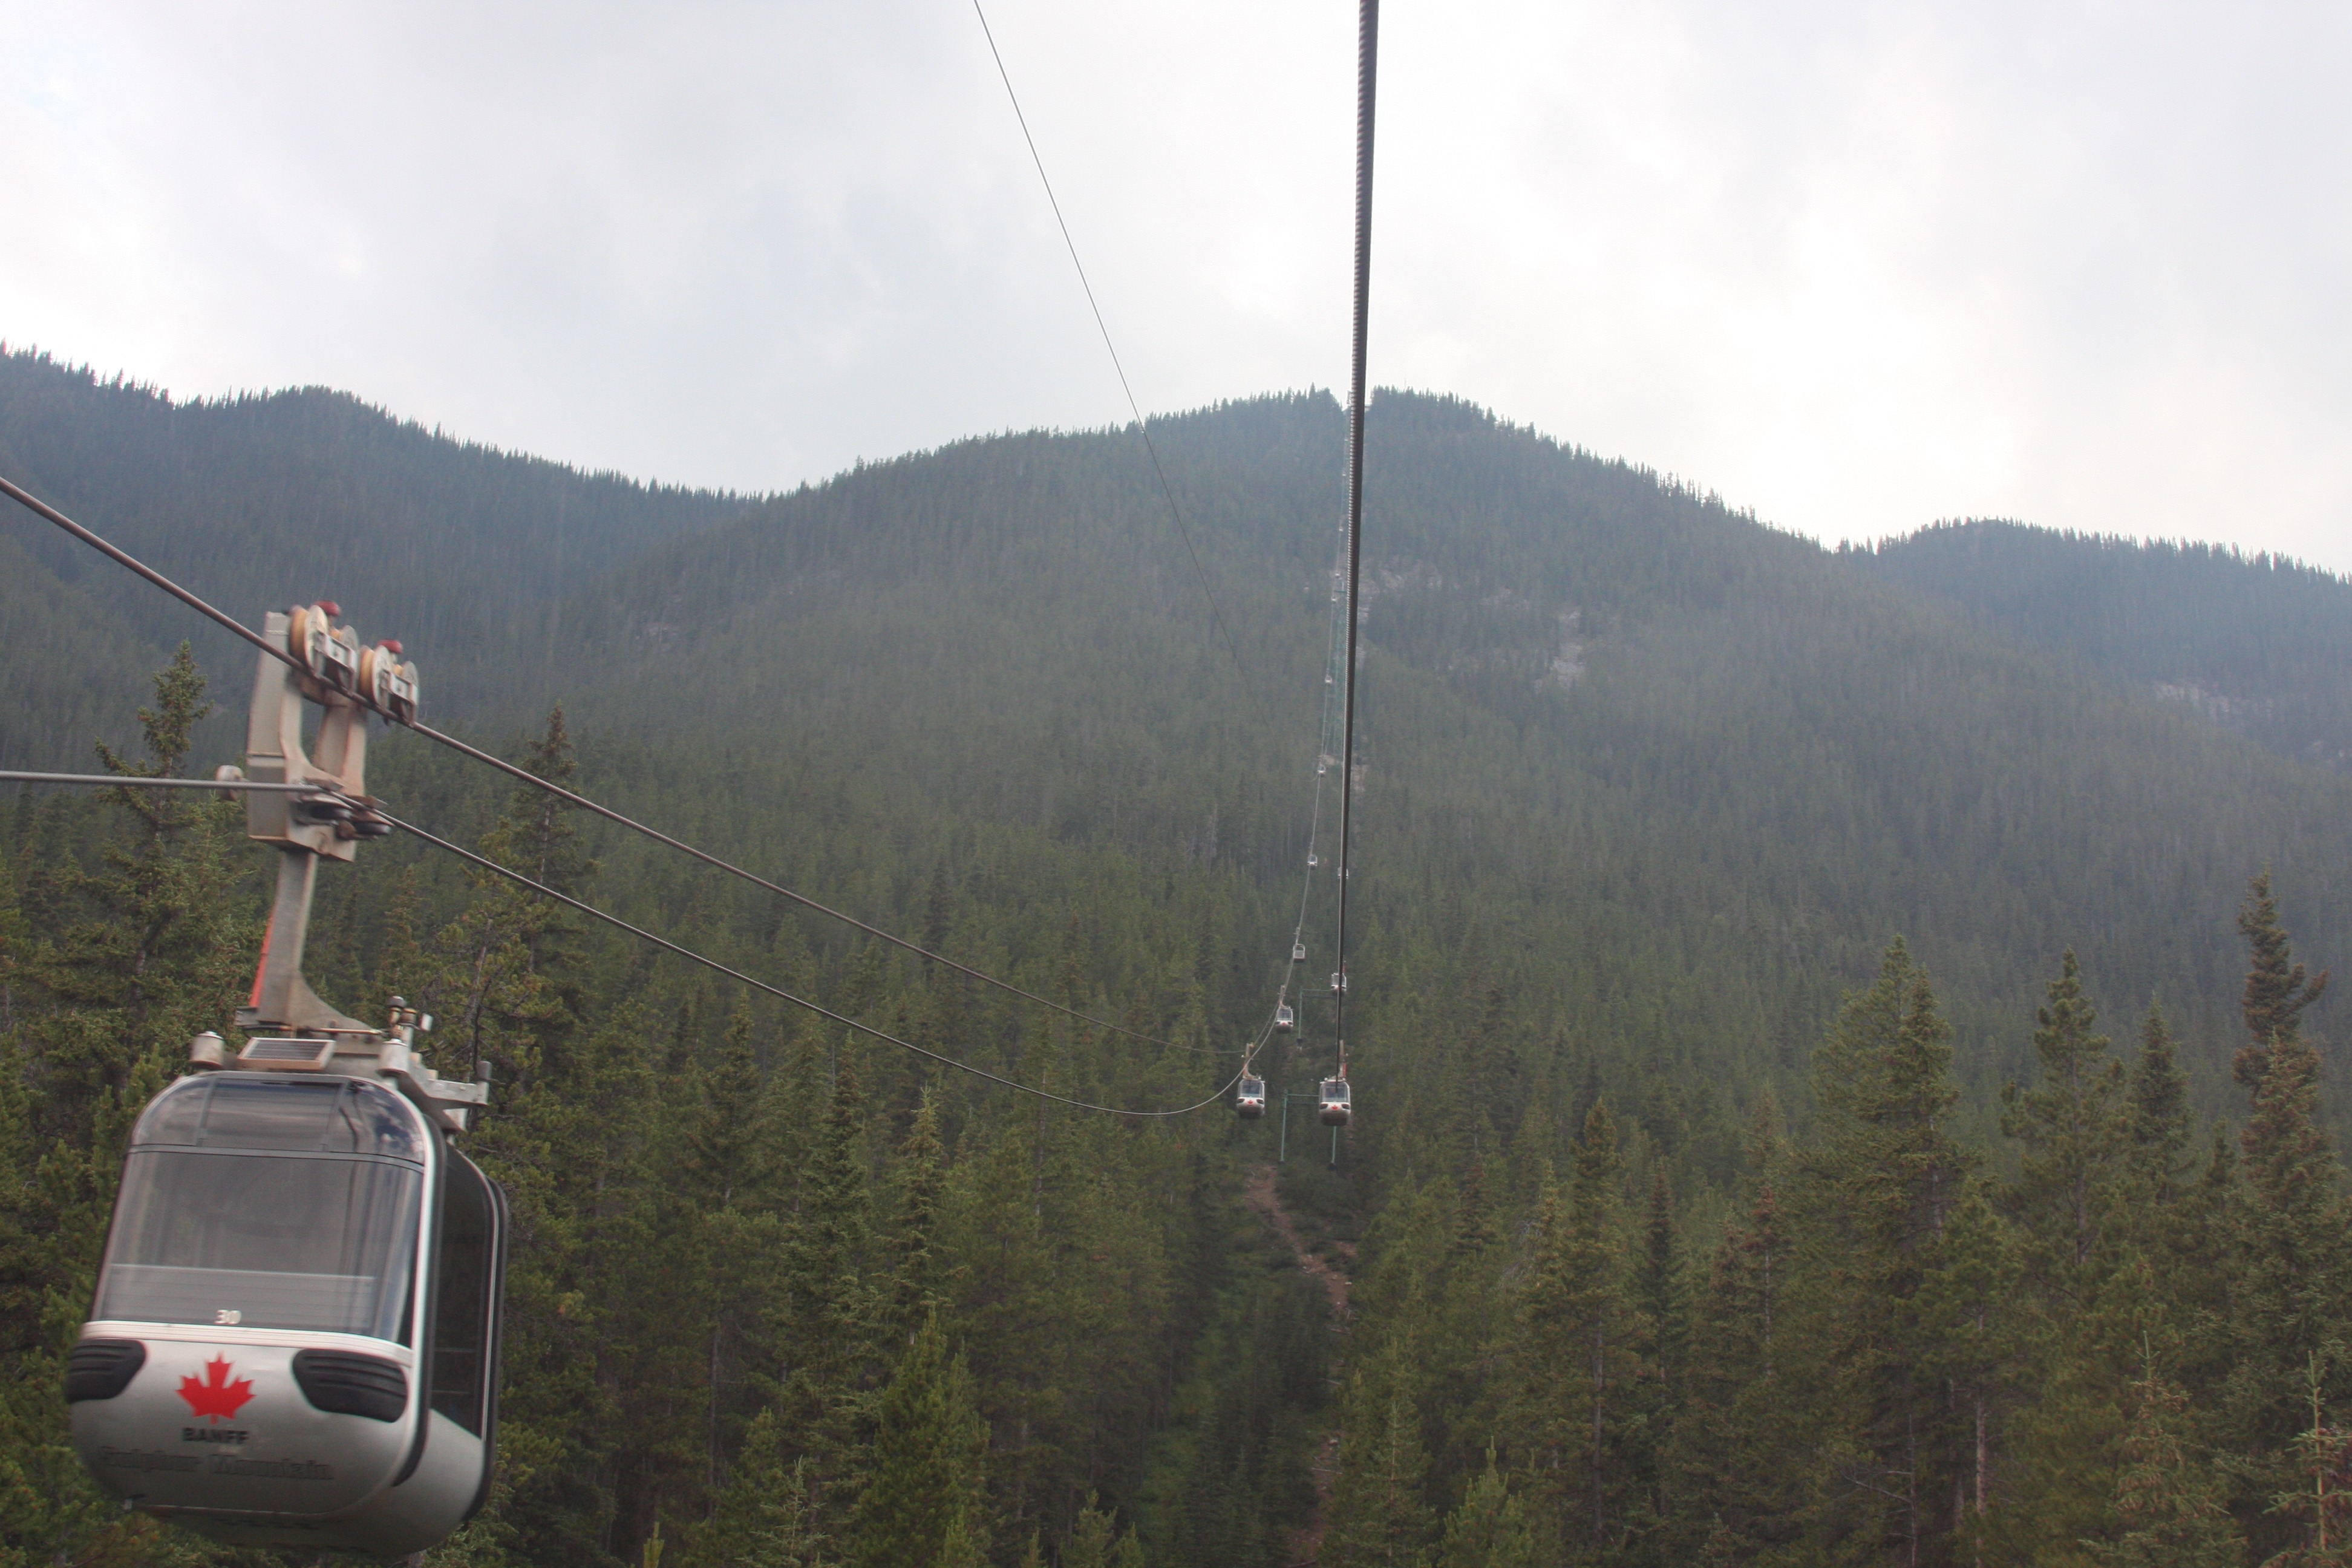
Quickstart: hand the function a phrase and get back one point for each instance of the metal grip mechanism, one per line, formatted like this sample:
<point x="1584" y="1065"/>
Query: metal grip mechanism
<point x="295" y="1029"/>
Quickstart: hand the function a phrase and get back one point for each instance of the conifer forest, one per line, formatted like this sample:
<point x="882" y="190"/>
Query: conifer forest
<point x="1845" y="1070"/>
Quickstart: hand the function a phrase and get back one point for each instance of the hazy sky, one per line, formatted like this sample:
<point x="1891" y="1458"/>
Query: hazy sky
<point x="1859" y="266"/>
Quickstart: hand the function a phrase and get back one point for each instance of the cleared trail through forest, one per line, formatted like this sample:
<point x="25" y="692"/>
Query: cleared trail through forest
<point x="1265" y="1196"/>
<point x="1268" y="1201"/>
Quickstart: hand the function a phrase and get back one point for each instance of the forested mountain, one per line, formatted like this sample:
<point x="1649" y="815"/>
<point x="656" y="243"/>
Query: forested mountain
<point x="274" y="497"/>
<point x="2259" y="644"/>
<point x="1697" y="1221"/>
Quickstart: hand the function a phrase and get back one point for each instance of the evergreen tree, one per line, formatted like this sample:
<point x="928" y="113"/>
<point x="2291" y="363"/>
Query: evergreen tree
<point x="915" y="1283"/>
<point x="925" y="1486"/>
<point x="2071" y="1128"/>
<point x="1879" y="1186"/>
<point x="2320" y="1501"/>
<point x="1737" y="1494"/>
<point x="2169" y="1501"/>
<point x="1576" y="1359"/>
<point x="1380" y="1516"/>
<point x="765" y="1516"/>
<point x="2277" y="990"/>
<point x="1973" y="1334"/>
<point x="1489" y="1530"/>
<point x="139" y="954"/>
<point x="2158" y="1124"/>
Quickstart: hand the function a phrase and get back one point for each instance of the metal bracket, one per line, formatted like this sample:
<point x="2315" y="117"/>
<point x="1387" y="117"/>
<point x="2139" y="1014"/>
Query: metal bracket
<point x="294" y="1029"/>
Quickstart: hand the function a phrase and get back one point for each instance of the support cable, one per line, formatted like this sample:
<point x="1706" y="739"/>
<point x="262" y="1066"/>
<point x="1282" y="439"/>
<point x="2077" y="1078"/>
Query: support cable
<point x="137" y="781"/>
<point x="1103" y="327"/>
<point x="43" y="509"/>
<point x="34" y="503"/>
<point x="659" y="837"/>
<point x="1367" y="73"/>
<point x="689" y="954"/>
<point x="11" y="776"/>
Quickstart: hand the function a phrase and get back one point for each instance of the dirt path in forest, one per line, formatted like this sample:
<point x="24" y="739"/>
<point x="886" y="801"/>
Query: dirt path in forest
<point x="1265" y="1199"/>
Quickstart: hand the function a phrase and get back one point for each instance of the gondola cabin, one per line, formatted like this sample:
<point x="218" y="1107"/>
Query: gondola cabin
<point x="1297" y="952"/>
<point x="1285" y="1020"/>
<point x="295" y="1336"/>
<point x="1336" y="1111"/>
<point x="1249" y="1098"/>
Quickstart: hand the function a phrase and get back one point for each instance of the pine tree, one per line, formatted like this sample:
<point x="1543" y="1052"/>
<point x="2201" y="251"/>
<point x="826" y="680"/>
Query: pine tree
<point x="1381" y="1517"/>
<point x="1736" y="1490"/>
<point x="506" y="983"/>
<point x="733" y="1163"/>
<point x="925" y="1482"/>
<point x="2158" y="1124"/>
<point x="1973" y="1334"/>
<point x="915" y="1283"/>
<point x="1577" y="1331"/>
<point x="2070" y="1126"/>
<point x="140" y="952"/>
<point x="830" y="1313"/>
<point x="1489" y="1530"/>
<point x="1879" y="1186"/>
<point x="2169" y="1501"/>
<point x="765" y="1518"/>
<point x="2276" y="989"/>
<point x="1661" y="1329"/>
<point x="2320" y="1502"/>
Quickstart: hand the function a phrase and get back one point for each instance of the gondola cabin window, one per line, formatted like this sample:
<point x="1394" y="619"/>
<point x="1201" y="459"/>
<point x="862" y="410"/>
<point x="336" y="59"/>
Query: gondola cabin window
<point x="271" y="1203"/>
<point x="464" y="1336"/>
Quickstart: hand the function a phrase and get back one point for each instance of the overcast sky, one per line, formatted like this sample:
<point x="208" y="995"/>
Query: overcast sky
<point x="1856" y="264"/>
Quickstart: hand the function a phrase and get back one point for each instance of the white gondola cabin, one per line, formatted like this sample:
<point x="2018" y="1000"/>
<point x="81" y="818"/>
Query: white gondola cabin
<point x="1285" y="1020"/>
<point x="1336" y="1109"/>
<point x="295" y="1337"/>
<point x="1249" y="1098"/>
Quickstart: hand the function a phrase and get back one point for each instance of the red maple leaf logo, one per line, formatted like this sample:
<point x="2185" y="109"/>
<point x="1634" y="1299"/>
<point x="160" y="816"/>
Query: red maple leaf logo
<point x="216" y="1396"/>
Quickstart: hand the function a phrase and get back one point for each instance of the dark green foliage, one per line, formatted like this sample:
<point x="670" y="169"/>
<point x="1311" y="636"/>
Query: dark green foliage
<point x="923" y="1487"/>
<point x="2251" y="643"/>
<point x="1695" y="1226"/>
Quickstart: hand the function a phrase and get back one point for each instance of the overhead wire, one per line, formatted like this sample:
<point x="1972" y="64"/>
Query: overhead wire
<point x="1134" y="408"/>
<point x="231" y="622"/>
<point x="1367" y="39"/>
<point x="1367" y="43"/>
<point x="485" y="863"/>
<point x="659" y="837"/>
<point x="13" y="776"/>
<point x="35" y="505"/>
<point x="1340" y="672"/>
<point x="542" y="889"/>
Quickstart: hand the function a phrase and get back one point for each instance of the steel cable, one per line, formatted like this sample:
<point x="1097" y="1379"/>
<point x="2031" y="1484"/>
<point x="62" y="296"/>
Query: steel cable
<point x="137" y="782"/>
<point x="1103" y="327"/>
<point x="688" y="953"/>
<point x="43" y="509"/>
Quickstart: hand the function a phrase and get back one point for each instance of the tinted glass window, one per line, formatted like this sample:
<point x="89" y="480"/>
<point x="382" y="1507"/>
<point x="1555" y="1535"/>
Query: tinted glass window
<point x="273" y="1110"/>
<point x="176" y="1116"/>
<point x="279" y="1241"/>
<point x="459" y="1354"/>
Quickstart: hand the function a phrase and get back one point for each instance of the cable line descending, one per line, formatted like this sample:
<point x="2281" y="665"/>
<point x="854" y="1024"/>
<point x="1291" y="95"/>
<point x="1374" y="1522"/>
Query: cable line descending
<point x="688" y="953"/>
<point x="584" y="804"/>
<point x="42" y="508"/>
<point x="1337" y="1108"/>
<point x="247" y="785"/>
<point x="1338" y="677"/>
<point x="1103" y="327"/>
<point x="10" y="776"/>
